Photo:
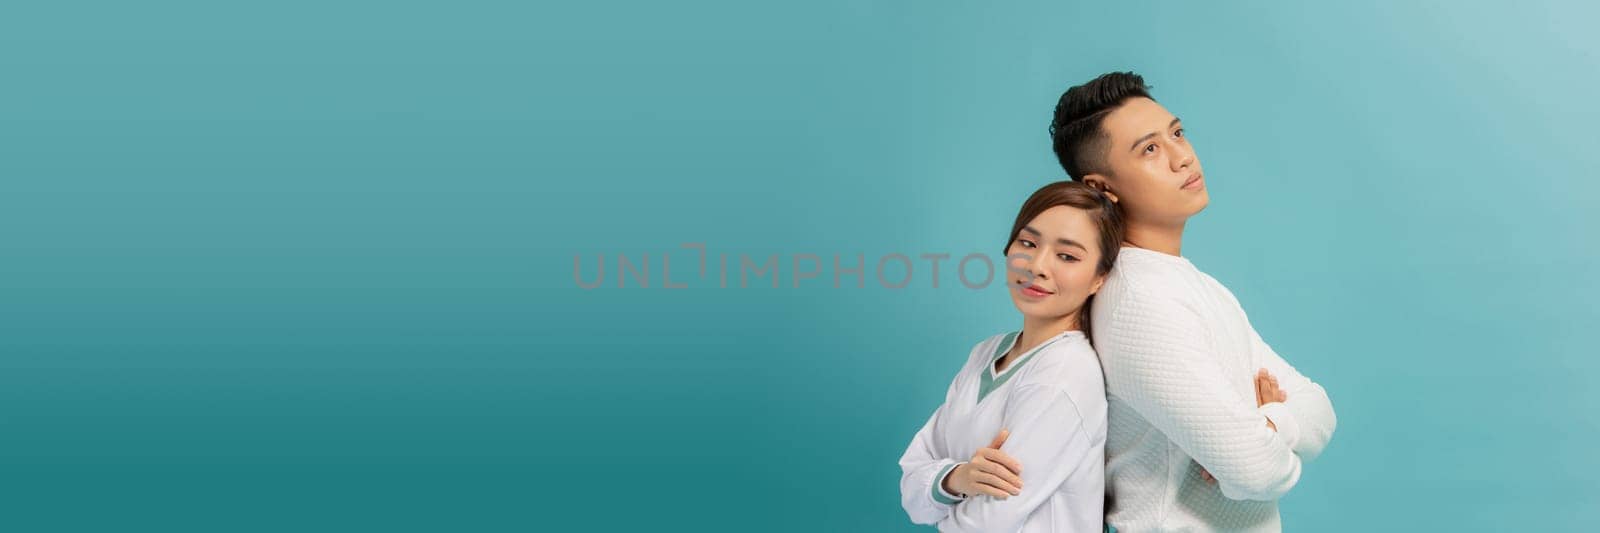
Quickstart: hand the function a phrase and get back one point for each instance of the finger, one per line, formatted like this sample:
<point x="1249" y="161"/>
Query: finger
<point x="1267" y="391"/>
<point x="1000" y="440"/>
<point x="1261" y="384"/>
<point x="1005" y="460"/>
<point x="996" y="469"/>
<point x="995" y="481"/>
<point x="992" y="491"/>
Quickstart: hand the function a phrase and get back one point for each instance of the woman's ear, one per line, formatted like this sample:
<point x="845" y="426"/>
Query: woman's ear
<point x="1098" y="281"/>
<point x="1099" y="183"/>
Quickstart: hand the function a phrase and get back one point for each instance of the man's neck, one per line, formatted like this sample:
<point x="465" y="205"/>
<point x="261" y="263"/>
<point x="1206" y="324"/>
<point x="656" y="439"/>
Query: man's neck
<point x="1164" y="238"/>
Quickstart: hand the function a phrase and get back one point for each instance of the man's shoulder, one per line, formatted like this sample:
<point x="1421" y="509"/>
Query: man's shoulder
<point x="1136" y="280"/>
<point x="1138" y="289"/>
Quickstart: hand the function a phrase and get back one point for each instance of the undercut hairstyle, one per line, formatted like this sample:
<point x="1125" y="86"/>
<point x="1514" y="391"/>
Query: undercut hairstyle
<point x="1075" y="133"/>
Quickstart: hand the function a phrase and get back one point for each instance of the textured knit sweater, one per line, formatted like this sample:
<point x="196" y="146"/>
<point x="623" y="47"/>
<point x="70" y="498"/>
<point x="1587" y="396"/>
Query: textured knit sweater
<point x="1180" y="360"/>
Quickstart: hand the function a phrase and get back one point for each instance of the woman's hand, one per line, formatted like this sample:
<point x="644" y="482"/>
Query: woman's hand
<point x="1267" y="391"/>
<point x="990" y="472"/>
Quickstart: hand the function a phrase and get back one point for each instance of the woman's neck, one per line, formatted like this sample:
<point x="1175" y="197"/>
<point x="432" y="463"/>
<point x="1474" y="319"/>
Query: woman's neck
<point x="1034" y="332"/>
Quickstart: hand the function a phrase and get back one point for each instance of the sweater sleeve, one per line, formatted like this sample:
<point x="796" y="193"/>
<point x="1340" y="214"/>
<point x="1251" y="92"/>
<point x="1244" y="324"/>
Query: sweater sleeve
<point x="1157" y="359"/>
<point x="1048" y="438"/>
<point x="922" y="470"/>
<point x="1306" y="419"/>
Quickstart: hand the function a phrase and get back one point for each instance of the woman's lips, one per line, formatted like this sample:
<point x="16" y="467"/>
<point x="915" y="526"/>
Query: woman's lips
<point x="1194" y="182"/>
<point x="1034" y="291"/>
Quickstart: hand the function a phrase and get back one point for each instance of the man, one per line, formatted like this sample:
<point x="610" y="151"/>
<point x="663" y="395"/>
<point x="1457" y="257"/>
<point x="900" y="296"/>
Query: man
<point x="1199" y="438"/>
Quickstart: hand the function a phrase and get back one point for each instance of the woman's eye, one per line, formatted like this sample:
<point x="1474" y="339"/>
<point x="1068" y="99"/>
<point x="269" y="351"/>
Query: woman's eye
<point x="1067" y="258"/>
<point x="1025" y="244"/>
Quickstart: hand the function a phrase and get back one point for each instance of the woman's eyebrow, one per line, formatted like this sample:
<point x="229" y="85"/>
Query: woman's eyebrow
<point x="1070" y="242"/>
<point x="1061" y="240"/>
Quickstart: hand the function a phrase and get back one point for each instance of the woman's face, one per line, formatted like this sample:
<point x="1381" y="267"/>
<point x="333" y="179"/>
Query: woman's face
<point x="1061" y="248"/>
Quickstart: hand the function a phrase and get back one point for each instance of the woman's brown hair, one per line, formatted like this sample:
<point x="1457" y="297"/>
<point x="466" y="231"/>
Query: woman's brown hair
<point x="1106" y="216"/>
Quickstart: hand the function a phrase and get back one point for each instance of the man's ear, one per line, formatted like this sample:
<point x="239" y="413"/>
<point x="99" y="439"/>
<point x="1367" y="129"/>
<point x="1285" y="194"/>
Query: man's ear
<point x="1100" y="183"/>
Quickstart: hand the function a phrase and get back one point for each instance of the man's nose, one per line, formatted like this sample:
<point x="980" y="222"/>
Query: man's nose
<point x="1185" y="159"/>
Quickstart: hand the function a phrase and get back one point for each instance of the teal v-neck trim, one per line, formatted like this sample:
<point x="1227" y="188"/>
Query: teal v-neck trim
<point x="990" y="381"/>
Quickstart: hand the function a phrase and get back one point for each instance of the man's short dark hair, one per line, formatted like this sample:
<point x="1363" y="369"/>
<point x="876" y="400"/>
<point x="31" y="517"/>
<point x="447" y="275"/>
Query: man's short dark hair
<point x="1075" y="132"/>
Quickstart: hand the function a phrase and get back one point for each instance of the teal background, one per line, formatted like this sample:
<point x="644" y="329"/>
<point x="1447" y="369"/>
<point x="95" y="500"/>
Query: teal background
<point x="308" y="266"/>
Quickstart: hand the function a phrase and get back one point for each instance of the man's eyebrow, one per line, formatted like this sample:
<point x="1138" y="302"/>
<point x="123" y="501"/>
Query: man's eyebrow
<point x="1147" y="136"/>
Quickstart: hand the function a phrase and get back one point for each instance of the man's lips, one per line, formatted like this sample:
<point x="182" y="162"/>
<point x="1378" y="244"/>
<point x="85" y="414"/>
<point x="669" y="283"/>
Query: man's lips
<point x="1194" y="182"/>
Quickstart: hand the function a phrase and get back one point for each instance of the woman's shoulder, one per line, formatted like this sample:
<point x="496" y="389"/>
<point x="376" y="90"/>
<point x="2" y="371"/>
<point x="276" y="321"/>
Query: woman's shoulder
<point x="1069" y="364"/>
<point x="987" y="348"/>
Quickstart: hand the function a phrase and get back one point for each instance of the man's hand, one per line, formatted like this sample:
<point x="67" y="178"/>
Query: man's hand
<point x="990" y="472"/>
<point x="1267" y="391"/>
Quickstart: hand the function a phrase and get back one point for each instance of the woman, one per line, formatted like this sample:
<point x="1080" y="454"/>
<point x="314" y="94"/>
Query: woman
<point x="1037" y="393"/>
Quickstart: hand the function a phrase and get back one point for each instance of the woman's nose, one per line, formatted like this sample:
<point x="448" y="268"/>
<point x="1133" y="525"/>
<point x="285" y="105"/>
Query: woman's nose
<point x="1036" y="265"/>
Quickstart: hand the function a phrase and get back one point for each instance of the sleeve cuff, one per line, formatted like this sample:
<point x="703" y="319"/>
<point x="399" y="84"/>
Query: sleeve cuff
<point x="939" y="494"/>
<point x="1283" y="418"/>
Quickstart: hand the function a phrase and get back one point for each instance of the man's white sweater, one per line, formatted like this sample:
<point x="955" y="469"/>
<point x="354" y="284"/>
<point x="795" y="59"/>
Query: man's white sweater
<point x="1180" y="360"/>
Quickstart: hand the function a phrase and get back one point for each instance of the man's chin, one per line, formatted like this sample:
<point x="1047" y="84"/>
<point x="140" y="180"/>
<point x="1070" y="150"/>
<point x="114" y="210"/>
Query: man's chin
<point x="1201" y="203"/>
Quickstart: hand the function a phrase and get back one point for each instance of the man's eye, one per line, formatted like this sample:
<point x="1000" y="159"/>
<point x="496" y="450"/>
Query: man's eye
<point x="1150" y="149"/>
<point x="1178" y="133"/>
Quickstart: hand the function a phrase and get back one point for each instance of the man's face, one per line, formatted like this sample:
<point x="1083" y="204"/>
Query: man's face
<point x="1152" y="169"/>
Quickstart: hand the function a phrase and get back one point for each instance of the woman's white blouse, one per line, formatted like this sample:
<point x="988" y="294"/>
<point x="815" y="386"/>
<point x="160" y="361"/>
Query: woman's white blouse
<point x="1053" y="402"/>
